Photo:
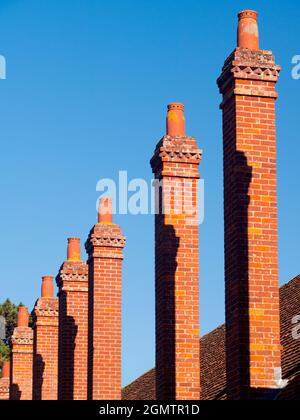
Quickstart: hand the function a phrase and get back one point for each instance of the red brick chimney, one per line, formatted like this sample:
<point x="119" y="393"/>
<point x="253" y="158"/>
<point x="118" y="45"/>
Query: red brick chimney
<point x="104" y="247"/>
<point x="248" y="86"/>
<point x="4" y="381"/>
<point x="175" y="165"/>
<point x="45" y="355"/>
<point x="22" y="357"/>
<point x="72" y="282"/>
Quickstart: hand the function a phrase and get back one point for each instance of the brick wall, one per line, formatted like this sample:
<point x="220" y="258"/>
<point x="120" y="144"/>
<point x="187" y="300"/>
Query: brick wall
<point x="250" y="204"/>
<point x="175" y="165"/>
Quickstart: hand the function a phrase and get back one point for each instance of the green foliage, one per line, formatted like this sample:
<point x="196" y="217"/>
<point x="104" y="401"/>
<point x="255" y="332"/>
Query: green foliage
<point x="4" y="352"/>
<point x="10" y="312"/>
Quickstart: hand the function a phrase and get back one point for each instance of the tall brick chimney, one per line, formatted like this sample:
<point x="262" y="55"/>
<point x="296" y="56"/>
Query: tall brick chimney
<point x="4" y="381"/>
<point x="22" y="358"/>
<point x="72" y="282"/>
<point x="104" y="247"/>
<point x="175" y="165"/>
<point x="45" y="355"/>
<point x="248" y="85"/>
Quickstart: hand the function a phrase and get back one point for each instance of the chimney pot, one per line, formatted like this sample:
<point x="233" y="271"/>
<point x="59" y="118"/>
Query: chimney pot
<point x="74" y="249"/>
<point x="47" y="287"/>
<point x="248" y="34"/>
<point x="6" y="369"/>
<point x="175" y="120"/>
<point x="105" y="212"/>
<point x="23" y="317"/>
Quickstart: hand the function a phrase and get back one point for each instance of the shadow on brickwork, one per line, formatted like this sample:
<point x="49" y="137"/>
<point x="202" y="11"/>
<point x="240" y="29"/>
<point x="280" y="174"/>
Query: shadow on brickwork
<point x="237" y="200"/>
<point x="90" y="331"/>
<point x="15" y="393"/>
<point x="66" y="349"/>
<point x="292" y="390"/>
<point x="38" y="374"/>
<point x="236" y="203"/>
<point x="166" y="248"/>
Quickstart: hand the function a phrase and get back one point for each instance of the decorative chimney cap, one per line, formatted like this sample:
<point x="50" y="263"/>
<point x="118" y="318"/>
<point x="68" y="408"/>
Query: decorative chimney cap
<point x="176" y="105"/>
<point x="248" y="14"/>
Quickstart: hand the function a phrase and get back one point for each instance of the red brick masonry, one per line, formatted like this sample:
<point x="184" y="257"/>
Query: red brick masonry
<point x="72" y="282"/>
<point x="248" y="83"/>
<point x="175" y="165"/>
<point x="104" y="247"/>
<point x="45" y="368"/>
<point x="22" y="359"/>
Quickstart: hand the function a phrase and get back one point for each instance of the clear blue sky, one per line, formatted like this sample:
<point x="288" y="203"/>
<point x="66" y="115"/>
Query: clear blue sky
<point x="86" y="93"/>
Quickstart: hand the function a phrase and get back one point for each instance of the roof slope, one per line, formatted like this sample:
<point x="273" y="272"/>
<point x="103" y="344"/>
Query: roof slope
<point x="213" y="365"/>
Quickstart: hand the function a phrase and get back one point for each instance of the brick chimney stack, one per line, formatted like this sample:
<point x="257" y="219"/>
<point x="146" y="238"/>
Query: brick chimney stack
<point x="72" y="282"/>
<point x="105" y="250"/>
<point x="175" y="165"/>
<point x="248" y="85"/>
<point x="22" y="358"/>
<point x="45" y="355"/>
<point x="4" y="381"/>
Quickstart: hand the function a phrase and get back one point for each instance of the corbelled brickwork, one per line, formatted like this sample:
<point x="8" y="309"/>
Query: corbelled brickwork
<point x="248" y="85"/>
<point x="4" y="382"/>
<point x="45" y="358"/>
<point x="72" y="282"/>
<point x="104" y="247"/>
<point x="175" y="165"/>
<point x="22" y="359"/>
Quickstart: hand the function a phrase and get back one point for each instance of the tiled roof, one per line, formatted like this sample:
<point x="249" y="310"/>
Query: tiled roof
<point x="213" y="373"/>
